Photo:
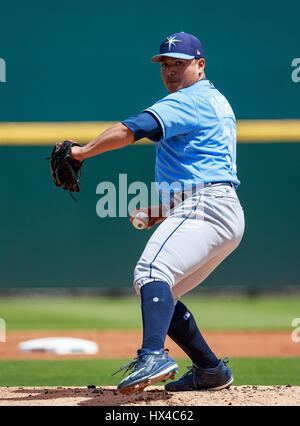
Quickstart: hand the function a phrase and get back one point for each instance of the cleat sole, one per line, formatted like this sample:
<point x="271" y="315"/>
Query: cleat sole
<point x="213" y="389"/>
<point x="225" y="386"/>
<point x="139" y="387"/>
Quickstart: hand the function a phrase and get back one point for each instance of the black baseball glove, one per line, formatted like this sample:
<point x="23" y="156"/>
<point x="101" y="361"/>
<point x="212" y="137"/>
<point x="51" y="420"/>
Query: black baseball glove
<point x="66" y="171"/>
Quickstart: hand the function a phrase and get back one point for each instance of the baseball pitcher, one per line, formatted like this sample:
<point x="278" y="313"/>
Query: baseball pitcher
<point x="201" y="219"/>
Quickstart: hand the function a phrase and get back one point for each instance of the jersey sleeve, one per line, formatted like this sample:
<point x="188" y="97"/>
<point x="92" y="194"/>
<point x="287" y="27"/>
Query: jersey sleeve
<point x="144" y="125"/>
<point x="176" y="113"/>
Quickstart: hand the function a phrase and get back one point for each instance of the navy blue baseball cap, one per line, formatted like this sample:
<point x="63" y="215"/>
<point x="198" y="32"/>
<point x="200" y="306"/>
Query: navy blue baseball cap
<point x="180" y="45"/>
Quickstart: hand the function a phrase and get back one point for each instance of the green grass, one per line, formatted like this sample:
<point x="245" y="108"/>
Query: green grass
<point x="247" y="371"/>
<point x="211" y="313"/>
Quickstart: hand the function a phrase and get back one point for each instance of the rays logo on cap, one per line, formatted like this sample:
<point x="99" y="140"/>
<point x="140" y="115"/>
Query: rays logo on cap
<point x="172" y="41"/>
<point x="181" y="46"/>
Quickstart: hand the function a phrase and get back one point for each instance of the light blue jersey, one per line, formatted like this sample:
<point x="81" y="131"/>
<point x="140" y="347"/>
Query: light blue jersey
<point x="199" y="137"/>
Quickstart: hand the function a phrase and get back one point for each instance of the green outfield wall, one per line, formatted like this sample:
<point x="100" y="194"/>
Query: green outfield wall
<point x="89" y="62"/>
<point x="49" y="240"/>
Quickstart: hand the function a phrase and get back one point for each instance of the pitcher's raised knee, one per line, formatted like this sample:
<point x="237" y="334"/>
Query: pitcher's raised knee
<point x="145" y="273"/>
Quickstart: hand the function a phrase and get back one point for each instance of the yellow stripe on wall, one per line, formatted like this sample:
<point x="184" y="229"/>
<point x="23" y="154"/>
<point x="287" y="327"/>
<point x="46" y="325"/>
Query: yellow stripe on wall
<point x="42" y="133"/>
<point x="268" y="131"/>
<point x="47" y="133"/>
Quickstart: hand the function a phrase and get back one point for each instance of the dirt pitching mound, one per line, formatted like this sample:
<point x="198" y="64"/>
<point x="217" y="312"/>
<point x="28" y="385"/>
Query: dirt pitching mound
<point x="152" y="396"/>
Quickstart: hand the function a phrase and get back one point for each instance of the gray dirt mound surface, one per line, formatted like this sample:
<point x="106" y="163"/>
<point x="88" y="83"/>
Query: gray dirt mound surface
<point x="152" y="396"/>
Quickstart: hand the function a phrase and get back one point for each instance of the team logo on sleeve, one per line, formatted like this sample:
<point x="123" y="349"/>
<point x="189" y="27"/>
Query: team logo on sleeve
<point x="172" y="41"/>
<point x="187" y="315"/>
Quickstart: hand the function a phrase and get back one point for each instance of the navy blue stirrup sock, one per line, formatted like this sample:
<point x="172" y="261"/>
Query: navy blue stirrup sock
<point x="157" y="312"/>
<point x="184" y="331"/>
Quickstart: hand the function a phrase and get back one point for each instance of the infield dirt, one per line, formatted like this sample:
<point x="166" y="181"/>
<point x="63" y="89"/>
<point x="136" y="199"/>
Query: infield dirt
<point x="123" y="344"/>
